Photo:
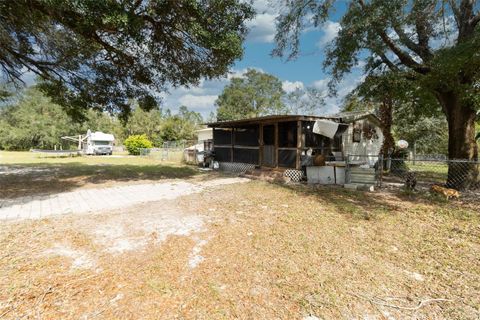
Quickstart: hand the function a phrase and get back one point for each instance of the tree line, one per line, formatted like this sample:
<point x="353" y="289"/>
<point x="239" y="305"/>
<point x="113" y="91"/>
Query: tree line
<point x="103" y="54"/>
<point x="30" y="120"/>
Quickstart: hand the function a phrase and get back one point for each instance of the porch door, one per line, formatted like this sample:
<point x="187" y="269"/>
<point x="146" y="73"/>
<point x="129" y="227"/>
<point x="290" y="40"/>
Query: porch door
<point x="269" y="146"/>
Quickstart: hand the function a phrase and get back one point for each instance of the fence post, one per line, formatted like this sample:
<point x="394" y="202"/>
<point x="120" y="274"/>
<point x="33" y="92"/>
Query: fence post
<point x="380" y="168"/>
<point x="165" y="151"/>
<point x="347" y="170"/>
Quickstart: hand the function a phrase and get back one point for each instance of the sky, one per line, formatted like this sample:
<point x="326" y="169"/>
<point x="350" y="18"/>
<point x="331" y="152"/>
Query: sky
<point x="305" y="71"/>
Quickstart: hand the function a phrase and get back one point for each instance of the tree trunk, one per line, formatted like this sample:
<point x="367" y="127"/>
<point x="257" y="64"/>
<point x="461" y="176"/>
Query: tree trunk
<point x="461" y="118"/>
<point x="386" y="108"/>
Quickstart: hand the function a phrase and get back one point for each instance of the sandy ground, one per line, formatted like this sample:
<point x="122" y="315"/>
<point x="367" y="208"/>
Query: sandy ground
<point x="87" y="200"/>
<point x="246" y="251"/>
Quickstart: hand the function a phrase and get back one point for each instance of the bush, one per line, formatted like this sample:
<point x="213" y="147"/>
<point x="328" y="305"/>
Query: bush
<point x="136" y="142"/>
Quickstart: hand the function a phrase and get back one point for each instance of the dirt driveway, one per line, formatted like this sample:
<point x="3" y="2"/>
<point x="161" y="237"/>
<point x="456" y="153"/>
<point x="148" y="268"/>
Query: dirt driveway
<point x="246" y="250"/>
<point x="87" y="200"/>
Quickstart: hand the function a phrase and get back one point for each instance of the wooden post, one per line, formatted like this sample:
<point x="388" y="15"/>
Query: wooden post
<point x="276" y="145"/>
<point x="298" y="164"/>
<point x="260" y="145"/>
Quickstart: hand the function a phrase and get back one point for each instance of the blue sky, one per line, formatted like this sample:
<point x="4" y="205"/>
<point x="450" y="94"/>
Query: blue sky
<point x="304" y="71"/>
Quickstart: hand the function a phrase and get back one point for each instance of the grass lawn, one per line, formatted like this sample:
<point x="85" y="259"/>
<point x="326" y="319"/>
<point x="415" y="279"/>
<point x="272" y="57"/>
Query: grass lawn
<point x="265" y="251"/>
<point x="29" y="173"/>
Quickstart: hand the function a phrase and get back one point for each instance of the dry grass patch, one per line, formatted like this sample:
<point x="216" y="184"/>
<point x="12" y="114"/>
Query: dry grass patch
<point x="264" y="252"/>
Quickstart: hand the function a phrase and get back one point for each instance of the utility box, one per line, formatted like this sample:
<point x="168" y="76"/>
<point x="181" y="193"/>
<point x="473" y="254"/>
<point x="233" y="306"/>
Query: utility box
<point x="321" y="175"/>
<point x="326" y="175"/>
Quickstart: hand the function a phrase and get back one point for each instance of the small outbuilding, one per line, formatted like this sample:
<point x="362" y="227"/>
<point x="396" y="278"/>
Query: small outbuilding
<point x="286" y="141"/>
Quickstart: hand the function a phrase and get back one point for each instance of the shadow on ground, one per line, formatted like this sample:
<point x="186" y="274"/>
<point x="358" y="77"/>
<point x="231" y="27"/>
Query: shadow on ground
<point x="370" y="205"/>
<point x="33" y="179"/>
<point x="358" y="204"/>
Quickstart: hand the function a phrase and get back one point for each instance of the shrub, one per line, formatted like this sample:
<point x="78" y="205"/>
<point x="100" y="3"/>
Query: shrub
<point x="136" y="142"/>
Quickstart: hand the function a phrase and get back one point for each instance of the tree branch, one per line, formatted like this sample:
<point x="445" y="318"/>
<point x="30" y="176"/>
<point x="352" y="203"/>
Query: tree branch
<point x="465" y="19"/>
<point x="423" y="27"/>
<point x="456" y="12"/>
<point x="475" y="20"/>
<point x="389" y="63"/>
<point x="404" y="57"/>
<point x="423" y="52"/>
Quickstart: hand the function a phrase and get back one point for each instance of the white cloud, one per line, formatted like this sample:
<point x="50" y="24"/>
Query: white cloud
<point x="199" y="102"/>
<point x="289" y="86"/>
<point x="321" y="84"/>
<point x="262" y="28"/>
<point x="241" y="73"/>
<point x="262" y="6"/>
<point x="360" y="64"/>
<point x="330" y="30"/>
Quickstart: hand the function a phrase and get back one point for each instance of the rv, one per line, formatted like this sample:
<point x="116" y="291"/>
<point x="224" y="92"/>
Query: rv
<point x="98" y="143"/>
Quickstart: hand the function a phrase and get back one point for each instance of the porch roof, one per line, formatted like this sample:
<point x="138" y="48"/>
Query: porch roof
<point x="267" y="119"/>
<point x="345" y="117"/>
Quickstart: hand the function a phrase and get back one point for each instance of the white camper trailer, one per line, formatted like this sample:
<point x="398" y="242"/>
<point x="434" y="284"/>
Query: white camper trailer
<point x="98" y="143"/>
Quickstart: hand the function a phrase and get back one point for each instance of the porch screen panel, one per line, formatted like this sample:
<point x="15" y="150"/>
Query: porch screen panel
<point x="246" y="155"/>
<point x="287" y="158"/>
<point x="223" y="154"/>
<point x="222" y="136"/>
<point x="287" y="134"/>
<point x="247" y="136"/>
<point x="269" y="135"/>
<point x="312" y="140"/>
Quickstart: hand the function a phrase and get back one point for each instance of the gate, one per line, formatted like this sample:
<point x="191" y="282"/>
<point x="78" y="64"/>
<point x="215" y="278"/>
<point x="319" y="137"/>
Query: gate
<point x="364" y="170"/>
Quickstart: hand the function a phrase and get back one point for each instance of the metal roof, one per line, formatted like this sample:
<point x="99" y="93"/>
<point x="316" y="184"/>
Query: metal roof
<point x="266" y="119"/>
<point x="346" y="117"/>
<point x="351" y="116"/>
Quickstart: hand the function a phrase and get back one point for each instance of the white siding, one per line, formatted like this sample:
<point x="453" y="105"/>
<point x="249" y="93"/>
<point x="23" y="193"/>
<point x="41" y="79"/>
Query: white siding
<point x="205" y="134"/>
<point x="364" y="147"/>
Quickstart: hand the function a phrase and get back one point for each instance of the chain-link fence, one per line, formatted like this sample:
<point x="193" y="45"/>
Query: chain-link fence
<point x="412" y="173"/>
<point x="423" y="173"/>
<point x="172" y="151"/>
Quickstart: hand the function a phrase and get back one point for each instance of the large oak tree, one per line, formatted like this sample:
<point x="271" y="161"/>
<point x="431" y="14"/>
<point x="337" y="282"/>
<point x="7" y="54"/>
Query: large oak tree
<point x="99" y="54"/>
<point x="435" y="44"/>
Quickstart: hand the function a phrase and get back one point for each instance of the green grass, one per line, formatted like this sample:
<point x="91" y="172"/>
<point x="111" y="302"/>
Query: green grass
<point x="38" y="174"/>
<point x="430" y="171"/>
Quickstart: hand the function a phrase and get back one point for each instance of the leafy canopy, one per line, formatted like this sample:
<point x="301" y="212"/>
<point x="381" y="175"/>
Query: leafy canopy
<point x="305" y="101"/>
<point x="254" y="94"/>
<point x="434" y="43"/>
<point x="101" y="54"/>
<point x="31" y="120"/>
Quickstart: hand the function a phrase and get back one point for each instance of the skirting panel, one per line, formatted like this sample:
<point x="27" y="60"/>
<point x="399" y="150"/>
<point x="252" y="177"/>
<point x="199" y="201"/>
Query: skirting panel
<point x="295" y="175"/>
<point x="236" y="167"/>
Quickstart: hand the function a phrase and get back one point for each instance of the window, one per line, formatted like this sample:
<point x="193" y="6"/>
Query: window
<point x="101" y="143"/>
<point x="357" y="132"/>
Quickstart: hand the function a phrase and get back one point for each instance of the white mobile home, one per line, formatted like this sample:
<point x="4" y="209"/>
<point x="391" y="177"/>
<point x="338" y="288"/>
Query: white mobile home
<point x="98" y="143"/>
